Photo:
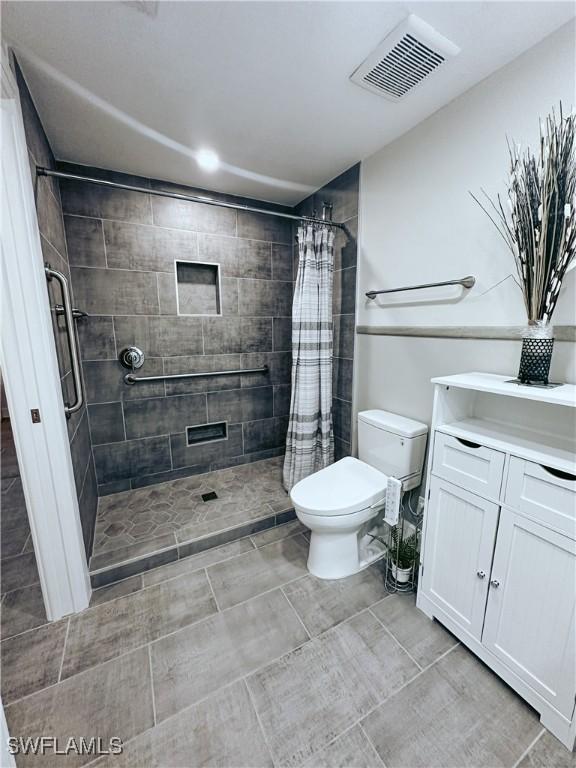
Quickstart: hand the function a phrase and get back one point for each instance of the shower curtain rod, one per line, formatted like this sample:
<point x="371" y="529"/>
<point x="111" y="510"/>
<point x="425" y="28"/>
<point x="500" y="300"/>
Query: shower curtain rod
<point x="188" y="198"/>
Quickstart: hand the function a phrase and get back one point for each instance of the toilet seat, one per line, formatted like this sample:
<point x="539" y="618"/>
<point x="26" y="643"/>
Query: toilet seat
<point x="343" y="488"/>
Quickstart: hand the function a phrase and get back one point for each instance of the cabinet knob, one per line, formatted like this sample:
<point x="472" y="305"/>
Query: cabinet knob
<point x="495" y="583"/>
<point x="480" y="574"/>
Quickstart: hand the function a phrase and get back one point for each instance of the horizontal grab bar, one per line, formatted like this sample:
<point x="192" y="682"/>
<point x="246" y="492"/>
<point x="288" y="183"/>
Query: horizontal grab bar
<point x="131" y="379"/>
<point x="466" y="282"/>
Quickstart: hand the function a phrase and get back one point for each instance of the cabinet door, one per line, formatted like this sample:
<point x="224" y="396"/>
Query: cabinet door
<point x="460" y="532"/>
<point x="531" y="602"/>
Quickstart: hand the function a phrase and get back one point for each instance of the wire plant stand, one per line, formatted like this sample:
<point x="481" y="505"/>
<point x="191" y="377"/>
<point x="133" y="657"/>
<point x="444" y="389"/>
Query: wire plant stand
<point x="395" y="538"/>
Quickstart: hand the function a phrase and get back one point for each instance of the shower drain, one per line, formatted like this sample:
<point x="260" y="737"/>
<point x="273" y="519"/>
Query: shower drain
<point x="209" y="496"/>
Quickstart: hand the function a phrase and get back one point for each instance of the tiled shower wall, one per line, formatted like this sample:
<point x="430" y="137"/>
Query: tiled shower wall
<point x="122" y="246"/>
<point x="50" y="223"/>
<point x="342" y="192"/>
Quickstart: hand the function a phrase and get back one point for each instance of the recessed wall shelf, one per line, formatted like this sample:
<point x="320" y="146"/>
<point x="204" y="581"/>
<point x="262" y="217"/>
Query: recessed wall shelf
<point x="198" y="288"/>
<point x="207" y="433"/>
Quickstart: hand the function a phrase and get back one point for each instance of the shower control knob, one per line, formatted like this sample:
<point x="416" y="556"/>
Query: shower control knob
<point x="132" y="358"/>
<point x="480" y="574"/>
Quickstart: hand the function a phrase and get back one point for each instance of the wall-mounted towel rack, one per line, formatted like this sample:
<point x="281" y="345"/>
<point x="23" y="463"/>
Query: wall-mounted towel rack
<point x="466" y="282"/>
<point x="131" y="379"/>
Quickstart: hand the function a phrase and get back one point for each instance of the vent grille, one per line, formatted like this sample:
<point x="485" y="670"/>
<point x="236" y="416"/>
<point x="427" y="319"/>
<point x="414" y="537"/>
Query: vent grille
<point x="407" y="64"/>
<point x="410" y="54"/>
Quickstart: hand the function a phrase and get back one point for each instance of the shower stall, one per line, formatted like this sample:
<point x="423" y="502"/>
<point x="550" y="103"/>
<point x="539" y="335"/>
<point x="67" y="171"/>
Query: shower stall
<point x="174" y="346"/>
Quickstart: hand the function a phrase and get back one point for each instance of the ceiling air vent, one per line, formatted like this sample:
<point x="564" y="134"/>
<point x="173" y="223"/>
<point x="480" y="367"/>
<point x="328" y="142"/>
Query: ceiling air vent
<point x="408" y="55"/>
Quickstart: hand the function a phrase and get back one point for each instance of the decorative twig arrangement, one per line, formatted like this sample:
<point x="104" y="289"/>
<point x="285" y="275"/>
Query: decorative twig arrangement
<point x="540" y="226"/>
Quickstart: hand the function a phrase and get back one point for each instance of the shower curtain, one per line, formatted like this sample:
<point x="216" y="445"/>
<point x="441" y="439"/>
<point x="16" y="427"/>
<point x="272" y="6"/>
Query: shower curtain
<point x="310" y="440"/>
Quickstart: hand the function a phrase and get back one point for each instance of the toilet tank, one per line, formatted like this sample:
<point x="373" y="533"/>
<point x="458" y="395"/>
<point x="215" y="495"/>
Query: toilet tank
<point x="393" y="444"/>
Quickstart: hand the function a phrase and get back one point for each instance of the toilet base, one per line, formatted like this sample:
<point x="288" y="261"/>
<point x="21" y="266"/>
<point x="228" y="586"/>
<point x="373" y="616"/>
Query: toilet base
<point x="334" y="555"/>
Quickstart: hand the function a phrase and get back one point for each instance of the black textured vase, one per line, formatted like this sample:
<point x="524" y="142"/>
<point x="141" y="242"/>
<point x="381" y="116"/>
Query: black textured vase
<point x="535" y="360"/>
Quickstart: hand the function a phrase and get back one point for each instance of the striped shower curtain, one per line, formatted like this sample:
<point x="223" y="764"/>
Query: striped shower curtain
<point x="310" y="440"/>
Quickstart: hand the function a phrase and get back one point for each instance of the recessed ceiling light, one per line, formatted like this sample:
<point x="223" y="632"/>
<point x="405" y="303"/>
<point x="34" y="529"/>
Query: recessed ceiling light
<point x="207" y="159"/>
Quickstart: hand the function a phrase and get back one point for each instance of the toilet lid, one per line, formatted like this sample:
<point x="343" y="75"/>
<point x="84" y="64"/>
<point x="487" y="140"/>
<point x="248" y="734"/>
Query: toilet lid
<point x="345" y="487"/>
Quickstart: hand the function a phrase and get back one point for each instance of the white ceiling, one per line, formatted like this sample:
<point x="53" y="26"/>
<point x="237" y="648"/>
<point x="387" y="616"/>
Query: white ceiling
<point x="138" y="87"/>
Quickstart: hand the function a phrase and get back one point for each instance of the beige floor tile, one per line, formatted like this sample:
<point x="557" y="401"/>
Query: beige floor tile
<point x="196" y="562"/>
<point x="262" y="569"/>
<point x="221" y="731"/>
<point x="108" y="630"/>
<point x="322" y="604"/>
<point x="192" y="663"/>
<point x="32" y="661"/>
<point x="456" y="714"/>
<point x="113" y="700"/>
<point x="351" y="750"/>
<point x="309" y="697"/>
<point x="425" y="640"/>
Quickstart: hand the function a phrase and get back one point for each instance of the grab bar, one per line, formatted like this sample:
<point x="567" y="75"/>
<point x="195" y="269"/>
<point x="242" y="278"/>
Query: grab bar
<point x="466" y="282"/>
<point x="77" y="314"/>
<point x="131" y="379"/>
<point x="68" y="311"/>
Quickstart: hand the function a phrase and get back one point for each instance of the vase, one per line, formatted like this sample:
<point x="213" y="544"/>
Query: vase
<point x="537" y="345"/>
<point x="400" y="575"/>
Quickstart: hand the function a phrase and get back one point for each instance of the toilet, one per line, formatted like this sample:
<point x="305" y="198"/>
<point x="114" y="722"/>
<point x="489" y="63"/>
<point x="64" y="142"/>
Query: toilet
<point x="340" y="502"/>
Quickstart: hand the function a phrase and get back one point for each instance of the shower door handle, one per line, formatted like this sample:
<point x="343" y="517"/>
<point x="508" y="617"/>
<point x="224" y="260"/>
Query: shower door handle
<point x="68" y="312"/>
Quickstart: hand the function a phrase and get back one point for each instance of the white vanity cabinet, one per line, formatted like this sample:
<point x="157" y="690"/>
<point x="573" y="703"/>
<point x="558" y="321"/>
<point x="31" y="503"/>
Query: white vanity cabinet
<point x="498" y="562"/>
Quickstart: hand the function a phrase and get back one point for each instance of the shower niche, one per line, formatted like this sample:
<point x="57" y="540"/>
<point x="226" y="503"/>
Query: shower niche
<point x="198" y="288"/>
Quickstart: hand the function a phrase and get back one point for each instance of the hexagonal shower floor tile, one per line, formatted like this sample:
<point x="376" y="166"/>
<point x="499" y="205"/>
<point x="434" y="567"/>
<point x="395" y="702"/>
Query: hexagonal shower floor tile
<point x="141" y="529"/>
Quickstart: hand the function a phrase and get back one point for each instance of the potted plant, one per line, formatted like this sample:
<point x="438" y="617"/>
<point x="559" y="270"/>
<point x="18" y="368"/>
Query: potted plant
<point x="403" y="554"/>
<point x="538" y="225"/>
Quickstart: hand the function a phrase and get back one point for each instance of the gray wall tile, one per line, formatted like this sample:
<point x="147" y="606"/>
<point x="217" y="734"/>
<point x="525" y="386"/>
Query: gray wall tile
<point x="184" y="455"/>
<point x="265" y="297"/>
<point x="115" y="291"/>
<point x="346" y="245"/>
<point x="236" y="406"/>
<point x="265" y="434"/>
<point x="96" y="338"/>
<point x="259" y="226"/>
<point x="344" y="296"/>
<point x="166" y="293"/>
<point x="254" y="259"/>
<point x="282" y="399"/>
<point x="106" y="423"/>
<point x="232" y="335"/>
<point x="282" y="261"/>
<point x="85" y="241"/>
<point x="118" y="461"/>
<point x="104" y="203"/>
<point x="342" y="419"/>
<point x="219" y="249"/>
<point x="105" y="381"/>
<point x="180" y="214"/>
<point x="80" y="451"/>
<point x="279" y="368"/>
<point x="160" y="336"/>
<point x="344" y="336"/>
<point x="201" y="364"/>
<point x="136" y="246"/>
<point x="282" y="331"/>
<point x="163" y="415"/>
<point x="342" y="378"/>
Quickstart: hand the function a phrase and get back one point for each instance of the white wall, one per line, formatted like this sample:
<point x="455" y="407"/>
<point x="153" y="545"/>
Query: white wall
<point x="418" y="224"/>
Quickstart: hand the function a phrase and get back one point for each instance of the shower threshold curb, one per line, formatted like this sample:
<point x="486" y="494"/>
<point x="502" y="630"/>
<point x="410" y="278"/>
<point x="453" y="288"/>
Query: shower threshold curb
<point x="122" y="569"/>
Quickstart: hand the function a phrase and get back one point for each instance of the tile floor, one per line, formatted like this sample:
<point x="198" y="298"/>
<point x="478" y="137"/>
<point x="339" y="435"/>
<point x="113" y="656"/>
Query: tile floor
<point x="237" y="657"/>
<point x="143" y="529"/>
<point x="22" y="604"/>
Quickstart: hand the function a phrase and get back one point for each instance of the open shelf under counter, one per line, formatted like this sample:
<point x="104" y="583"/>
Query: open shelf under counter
<point x="542" y="448"/>
<point x="495" y="384"/>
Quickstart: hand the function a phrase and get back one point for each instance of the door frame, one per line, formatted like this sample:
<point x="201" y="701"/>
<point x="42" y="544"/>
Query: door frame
<point x="31" y="377"/>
